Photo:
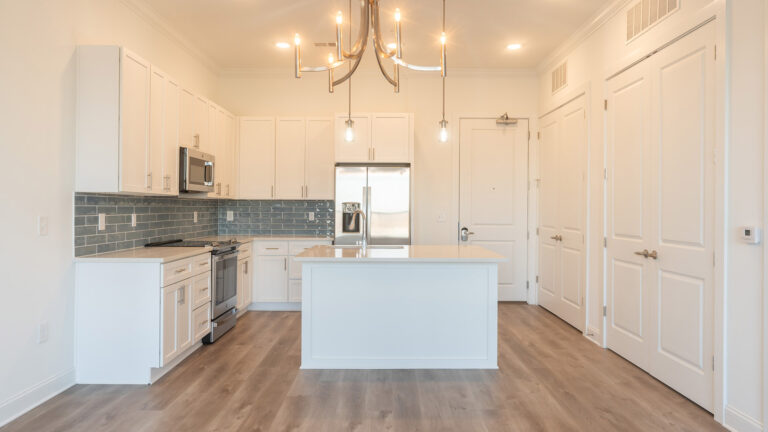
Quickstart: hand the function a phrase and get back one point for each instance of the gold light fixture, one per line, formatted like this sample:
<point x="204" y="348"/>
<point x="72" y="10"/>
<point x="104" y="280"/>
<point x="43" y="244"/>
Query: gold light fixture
<point x="370" y="25"/>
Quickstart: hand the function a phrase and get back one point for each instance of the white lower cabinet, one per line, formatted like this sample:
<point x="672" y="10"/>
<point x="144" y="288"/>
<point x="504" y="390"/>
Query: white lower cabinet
<point x="136" y="320"/>
<point x="244" y="279"/>
<point x="277" y="278"/>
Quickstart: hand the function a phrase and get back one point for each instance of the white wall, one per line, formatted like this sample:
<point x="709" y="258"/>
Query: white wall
<point x="37" y="85"/>
<point x="468" y="92"/>
<point x="599" y="54"/>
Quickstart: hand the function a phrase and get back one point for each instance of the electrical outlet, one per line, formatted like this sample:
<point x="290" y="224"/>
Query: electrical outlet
<point x="311" y="216"/>
<point x="102" y="221"/>
<point x="230" y="215"/>
<point x="42" y="332"/>
<point x="42" y="225"/>
<point x="133" y="219"/>
<point x="194" y="217"/>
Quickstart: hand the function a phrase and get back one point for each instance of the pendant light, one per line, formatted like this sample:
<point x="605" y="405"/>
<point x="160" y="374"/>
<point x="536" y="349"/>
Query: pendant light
<point x="349" y="133"/>
<point x="443" y="123"/>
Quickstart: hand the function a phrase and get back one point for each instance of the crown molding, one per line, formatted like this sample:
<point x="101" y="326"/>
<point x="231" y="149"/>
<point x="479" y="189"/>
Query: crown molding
<point x="259" y="72"/>
<point x="597" y="21"/>
<point x="146" y="12"/>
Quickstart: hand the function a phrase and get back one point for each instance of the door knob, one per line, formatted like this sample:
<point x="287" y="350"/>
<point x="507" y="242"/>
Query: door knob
<point x="554" y="237"/>
<point x="465" y="233"/>
<point x="653" y="255"/>
<point x="644" y="253"/>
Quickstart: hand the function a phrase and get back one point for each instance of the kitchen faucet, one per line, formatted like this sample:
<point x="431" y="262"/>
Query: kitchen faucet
<point x="364" y="227"/>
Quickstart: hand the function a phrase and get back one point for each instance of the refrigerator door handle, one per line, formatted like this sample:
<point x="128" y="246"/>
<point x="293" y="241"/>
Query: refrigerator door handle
<point x="367" y="200"/>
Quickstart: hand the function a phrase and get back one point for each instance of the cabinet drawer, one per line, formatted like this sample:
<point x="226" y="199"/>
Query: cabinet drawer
<point x="297" y="247"/>
<point x="201" y="264"/>
<point x="201" y="321"/>
<point x="201" y="290"/>
<point x="245" y="251"/>
<point x="272" y="248"/>
<point x="177" y="271"/>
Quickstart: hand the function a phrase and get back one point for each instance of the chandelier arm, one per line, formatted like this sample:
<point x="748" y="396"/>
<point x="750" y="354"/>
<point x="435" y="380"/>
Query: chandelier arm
<point x="384" y="72"/>
<point x="416" y="67"/>
<point x="362" y="36"/>
<point x="349" y="74"/>
<point x="376" y="24"/>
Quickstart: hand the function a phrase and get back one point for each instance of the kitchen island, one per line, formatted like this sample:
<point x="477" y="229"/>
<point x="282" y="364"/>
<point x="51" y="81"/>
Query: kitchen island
<point x="402" y="307"/>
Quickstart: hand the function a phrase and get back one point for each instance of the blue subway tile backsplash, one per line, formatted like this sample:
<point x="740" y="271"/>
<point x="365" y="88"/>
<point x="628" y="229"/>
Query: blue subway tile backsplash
<point x="165" y="218"/>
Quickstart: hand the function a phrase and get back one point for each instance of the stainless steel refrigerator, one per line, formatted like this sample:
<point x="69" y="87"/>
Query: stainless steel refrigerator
<point x="383" y="193"/>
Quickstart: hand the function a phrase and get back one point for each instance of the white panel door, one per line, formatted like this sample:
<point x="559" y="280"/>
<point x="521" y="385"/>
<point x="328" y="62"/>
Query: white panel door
<point x="562" y="212"/>
<point x="134" y="123"/>
<point x="319" y="162"/>
<point x="271" y="279"/>
<point x="390" y="138"/>
<point x="291" y="140"/>
<point x="628" y="224"/>
<point x="682" y="207"/>
<point x="257" y="158"/>
<point x="493" y="196"/>
<point x="359" y="149"/>
<point x="662" y="317"/>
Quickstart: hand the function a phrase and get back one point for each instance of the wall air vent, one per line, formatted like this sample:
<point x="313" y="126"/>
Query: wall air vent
<point x="647" y="13"/>
<point x="325" y="44"/>
<point x="559" y="77"/>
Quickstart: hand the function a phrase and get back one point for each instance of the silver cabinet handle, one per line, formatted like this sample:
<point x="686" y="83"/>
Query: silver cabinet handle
<point x="271" y="248"/>
<point x="246" y="267"/>
<point x="203" y="264"/>
<point x="227" y="189"/>
<point x="182" y="294"/>
<point x="374" y="153"/>
<point x="285" y="263"/>
<point x="272" y="191"/>
<point x="181" y="270"/>
<point x="306" y="190"/>
<point x="197" y="140"/>
<point x="149" y="181"/>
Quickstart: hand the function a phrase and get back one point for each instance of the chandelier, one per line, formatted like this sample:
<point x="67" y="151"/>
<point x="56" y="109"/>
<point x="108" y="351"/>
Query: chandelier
<point x="370" y="23"/>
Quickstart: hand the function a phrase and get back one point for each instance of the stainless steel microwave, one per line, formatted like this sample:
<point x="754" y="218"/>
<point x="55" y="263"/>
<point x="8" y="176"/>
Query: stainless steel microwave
<point x="195" y="170"/>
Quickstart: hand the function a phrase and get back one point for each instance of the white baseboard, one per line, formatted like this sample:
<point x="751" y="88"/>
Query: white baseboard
<point x="290" y="307"/>
<point x="17" y="405"/>
<point x="738" y="421"/>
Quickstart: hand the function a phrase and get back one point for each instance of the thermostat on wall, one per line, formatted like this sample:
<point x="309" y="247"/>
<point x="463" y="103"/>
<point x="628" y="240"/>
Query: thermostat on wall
<point x="751" y="234"/>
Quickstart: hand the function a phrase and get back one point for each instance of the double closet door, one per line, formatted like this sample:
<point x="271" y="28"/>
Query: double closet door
<point x="660" y="210"/>
<point x="562" y="212"/>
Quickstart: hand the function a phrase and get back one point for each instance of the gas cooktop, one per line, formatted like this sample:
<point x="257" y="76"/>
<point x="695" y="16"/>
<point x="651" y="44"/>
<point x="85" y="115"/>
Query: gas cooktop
<point x="218" y="244"/>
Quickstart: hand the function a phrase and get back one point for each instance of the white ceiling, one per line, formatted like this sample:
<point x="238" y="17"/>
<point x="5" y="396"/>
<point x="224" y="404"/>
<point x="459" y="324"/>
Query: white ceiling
<point x="241" y="34"/>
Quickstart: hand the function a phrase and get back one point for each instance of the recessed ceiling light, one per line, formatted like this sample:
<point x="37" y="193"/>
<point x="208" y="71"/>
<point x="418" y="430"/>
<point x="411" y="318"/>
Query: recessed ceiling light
<point x="515" y="46"/>
<point x="283" y="45"/>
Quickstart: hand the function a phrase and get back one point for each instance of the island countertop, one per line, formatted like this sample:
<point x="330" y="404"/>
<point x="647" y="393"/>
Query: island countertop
<point x="413" y="253"/>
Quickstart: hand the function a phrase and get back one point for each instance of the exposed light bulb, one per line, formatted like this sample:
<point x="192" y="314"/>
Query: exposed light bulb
<point x="349" y="134"/>
<point x="338" y="17"/>
<point x="442" y="38"/>
<point x="330" y="58"/>
<point x="297" y="39"/>
<point x="397" y="14"/>
<point x="391" y="46"/>
<point x="515" y="46"/>
<point x="283" y="45"/>
<point x="443" y="131"/>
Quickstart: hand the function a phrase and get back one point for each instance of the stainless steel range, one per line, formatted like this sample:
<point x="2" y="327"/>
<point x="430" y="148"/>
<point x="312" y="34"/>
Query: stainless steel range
<point x="223" y="282"/>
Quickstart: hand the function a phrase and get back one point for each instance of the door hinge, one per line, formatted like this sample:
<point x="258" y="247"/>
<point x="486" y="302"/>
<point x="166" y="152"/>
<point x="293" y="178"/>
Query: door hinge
<point x="605" y="242"/>
<point x="527" y="285"/>
<point x="538" y="135"/>
<point x="605" y="310"/>
<point x="715" y="52"/>
<point x="605" y="173"/>
<point x="537" y="230"/>
<point x="537" y="278"/>
<point x="605" y="104"/>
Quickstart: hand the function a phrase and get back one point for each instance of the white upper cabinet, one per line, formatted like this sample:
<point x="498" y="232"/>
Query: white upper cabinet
<point x="170" y="170"/>
<point x="291" y="137"/>
<point x="187" y="132"/>
<point x="391" y="138"/>
<point x="112" y="133"/>
<point x="202" y="126"/>
<point x="378" y="138"/>
<point x="257" y="158"/>
<point x="163" y="134"/>
<point x="359" y="149"/>
<point x="319" y="160"/>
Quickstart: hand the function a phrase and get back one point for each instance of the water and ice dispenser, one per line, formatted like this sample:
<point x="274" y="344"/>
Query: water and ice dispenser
<point x="350" y="221"/>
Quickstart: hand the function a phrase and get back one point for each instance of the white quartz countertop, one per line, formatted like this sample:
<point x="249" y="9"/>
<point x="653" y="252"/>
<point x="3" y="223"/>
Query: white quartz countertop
<point x="145" y="255"/>
<point x="414" y="253"/>
<point x="248" y="238"/>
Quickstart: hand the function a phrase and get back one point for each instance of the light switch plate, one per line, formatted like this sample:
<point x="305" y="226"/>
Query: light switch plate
<point x="311" y="216"/>
<point x="133" y="219"/>
<point x="230" y="215"/>
<point x="42" y="225"/>
<point x="102" y="221"/>
<point x="194" y="217"/>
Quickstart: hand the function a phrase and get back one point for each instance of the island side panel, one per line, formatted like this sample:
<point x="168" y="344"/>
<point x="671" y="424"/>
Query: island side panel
<point x="363" y="315"/>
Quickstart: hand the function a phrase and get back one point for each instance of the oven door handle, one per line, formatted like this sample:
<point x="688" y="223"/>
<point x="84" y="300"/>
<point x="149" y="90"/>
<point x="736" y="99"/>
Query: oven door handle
<point x="228" y="255"/>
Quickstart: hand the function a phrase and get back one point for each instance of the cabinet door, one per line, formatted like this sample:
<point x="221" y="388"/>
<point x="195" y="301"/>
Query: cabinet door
<point x="221" y="166"/>
<point x="294" y="291"/>
<point x="289" y="158"/>
<point x="169" y="308"/>
<point x="184" y="315"/>
<point x="134" y="117"/>
<point x="271" y="279"/>
<point x="202" y="140"/>
<point x="257" y="158"/>
<point x="187" y="131"/>
<point x="359" y="149"/>
<point x="171" y="139"/>
<point x="201" y="322"/>
<point x="155" y="180"/>
<point x="391" y="138"/>
<point x="319" y="161"/>
<point x="244" y="284"/>
<point x="229" y="140"/>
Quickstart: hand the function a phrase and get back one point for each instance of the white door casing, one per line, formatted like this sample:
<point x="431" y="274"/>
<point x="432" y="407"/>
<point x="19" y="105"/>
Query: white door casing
<point x="493" y="172"/>
<point x="670" y="302"/>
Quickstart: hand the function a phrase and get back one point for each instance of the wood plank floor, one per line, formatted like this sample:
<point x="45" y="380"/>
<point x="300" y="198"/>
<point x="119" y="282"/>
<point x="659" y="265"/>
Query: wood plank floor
<point x="550" y="378"/>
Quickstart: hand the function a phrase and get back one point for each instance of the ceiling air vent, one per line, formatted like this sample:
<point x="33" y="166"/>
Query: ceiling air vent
<point x="559" y="77"/>
<point x="647" y="13"/>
